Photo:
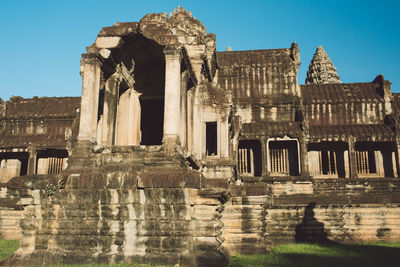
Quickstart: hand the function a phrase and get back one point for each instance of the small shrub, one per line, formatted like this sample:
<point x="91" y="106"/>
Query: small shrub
<point x="51" y="189"/>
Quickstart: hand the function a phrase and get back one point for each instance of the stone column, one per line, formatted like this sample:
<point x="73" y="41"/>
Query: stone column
<point x="183" y="110"/>
<point x="32" y="160"/>
<point x="352" y="158"/>
<point x="397" y="155"/>
<point x="134" y="113"/>
<point x="304" y="157"/>
<point x="90" y="98"/>
<point x="110" y="109"/>
<point x="172" y="96"/>
<point x="189" y="120"/>
<point x="268" y="162"/>
<point x="264" y="156"/>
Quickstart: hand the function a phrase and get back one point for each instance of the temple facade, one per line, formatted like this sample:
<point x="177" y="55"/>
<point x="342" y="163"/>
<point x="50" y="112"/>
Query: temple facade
<point x="177" y="153"/>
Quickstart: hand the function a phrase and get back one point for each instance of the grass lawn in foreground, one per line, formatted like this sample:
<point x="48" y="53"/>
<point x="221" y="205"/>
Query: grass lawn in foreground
<point x="338" y="255"/>
<point x="7" y="247"/>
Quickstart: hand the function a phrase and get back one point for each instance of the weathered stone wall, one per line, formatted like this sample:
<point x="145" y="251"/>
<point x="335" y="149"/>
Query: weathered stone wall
<point x="142" y="205"/>
<point x="15" y="196"/>
<point x="265" y="212"/>
<point x="119" y="215"/>
<point x="10" y="214"/>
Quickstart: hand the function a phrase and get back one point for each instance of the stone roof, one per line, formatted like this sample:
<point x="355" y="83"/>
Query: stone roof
<point x="396" y="102"/>
<point x="338" y="110"/>
<point x="340" y="92"/>
<point x="8" y="139"/>
<point x="256" y="73"/>
<point x="18" y="107"/>
<point x="271" y="129"/>
<point x="321" y="69"/>
<point x="40" y="122"/>
<point x="363" y="132"/>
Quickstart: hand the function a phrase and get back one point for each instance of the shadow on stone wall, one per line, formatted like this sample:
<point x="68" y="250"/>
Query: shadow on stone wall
<point x="310" y="230"/>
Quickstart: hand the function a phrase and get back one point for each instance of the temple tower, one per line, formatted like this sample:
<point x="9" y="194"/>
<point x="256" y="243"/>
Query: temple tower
<point x="321" y="69"/>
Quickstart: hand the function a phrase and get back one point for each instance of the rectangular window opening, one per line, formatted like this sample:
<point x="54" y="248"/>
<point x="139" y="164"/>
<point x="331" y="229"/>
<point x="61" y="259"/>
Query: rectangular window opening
<point x="249" y="157"/>
<point x="328" y="162"/>
<point x="283" y="157"/>
<point x="366" y="163"/>
<point x="211" y="139"/>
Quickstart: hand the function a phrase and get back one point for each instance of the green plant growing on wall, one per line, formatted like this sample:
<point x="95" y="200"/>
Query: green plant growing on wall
<point x="51" y="189"/>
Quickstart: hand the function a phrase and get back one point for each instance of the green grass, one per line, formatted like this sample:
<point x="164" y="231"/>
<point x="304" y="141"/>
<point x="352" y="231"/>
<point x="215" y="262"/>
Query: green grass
<point x="7" y="247"/>
<point x="365" y="255"/>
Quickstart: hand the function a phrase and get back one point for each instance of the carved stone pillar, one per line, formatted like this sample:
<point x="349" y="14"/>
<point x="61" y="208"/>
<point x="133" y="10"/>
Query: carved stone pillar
<point x="90" y="98"/>
<point x="183" y="110"/>
<point x="189" y="120"/>
<point x="32" y="160"/>
<point x="110" y="110"/>
<point x="352" y="158"/>
<point x="304" y="157"/>
<point x="264" y="156"/>
<point x="172" y="96"/>
<point x="134" y="114"/>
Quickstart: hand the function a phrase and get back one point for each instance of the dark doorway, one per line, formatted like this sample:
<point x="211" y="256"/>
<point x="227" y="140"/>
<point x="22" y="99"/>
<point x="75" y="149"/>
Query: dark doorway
<point x="152" y="121"/>
<point x="211" y="138"/>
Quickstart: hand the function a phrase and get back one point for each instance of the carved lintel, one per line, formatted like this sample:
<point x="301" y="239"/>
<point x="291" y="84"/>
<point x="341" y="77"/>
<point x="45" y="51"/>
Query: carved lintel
<point x="172" y="51"/>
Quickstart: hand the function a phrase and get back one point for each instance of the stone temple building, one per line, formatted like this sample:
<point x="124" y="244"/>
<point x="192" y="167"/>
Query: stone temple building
<point x="177" y="153"/>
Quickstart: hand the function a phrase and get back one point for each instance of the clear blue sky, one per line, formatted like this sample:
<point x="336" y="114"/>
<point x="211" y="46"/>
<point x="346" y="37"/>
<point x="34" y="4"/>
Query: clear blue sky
<point x="41" y="41"/>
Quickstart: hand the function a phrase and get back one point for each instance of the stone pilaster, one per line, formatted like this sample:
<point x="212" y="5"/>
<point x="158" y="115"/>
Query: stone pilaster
<point x="90" y="98"/>
<point x="304" y="157"/>
<point x="110" y="109"/>
<point x="264" y="156"/>
<point x="352" y="158"/>
<point x="183" y="109"/>
<point x="134" y="133"/>
<point x="172" y="96"/>
<point x="32" y="160"/>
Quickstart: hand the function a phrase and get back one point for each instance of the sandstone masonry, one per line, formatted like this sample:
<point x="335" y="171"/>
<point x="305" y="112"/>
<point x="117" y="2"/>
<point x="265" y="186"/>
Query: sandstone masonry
<point x="179" y="154"/>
